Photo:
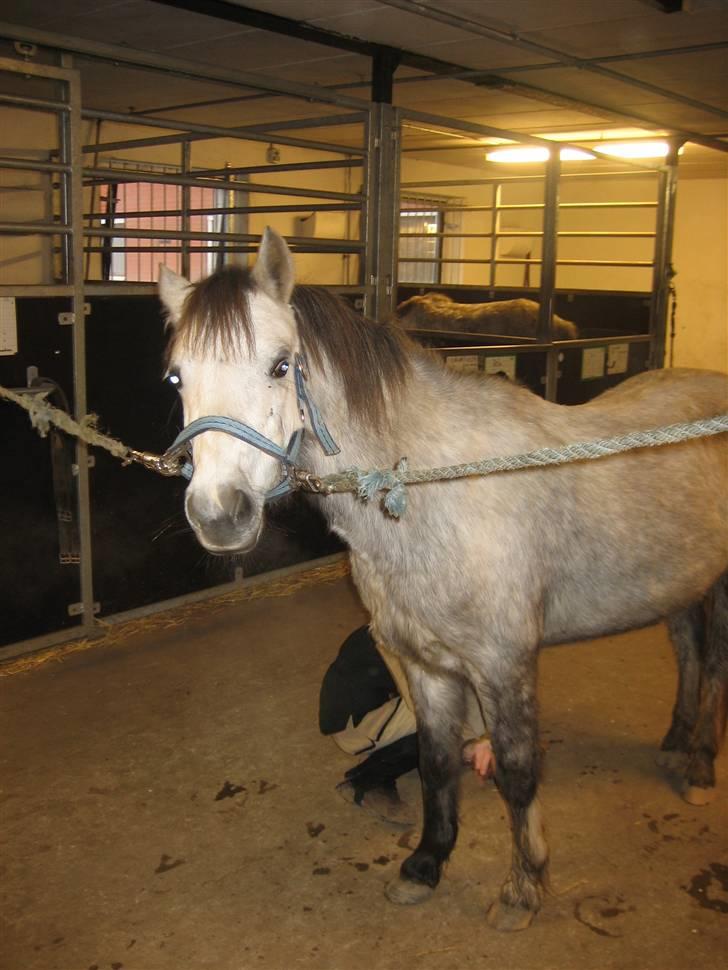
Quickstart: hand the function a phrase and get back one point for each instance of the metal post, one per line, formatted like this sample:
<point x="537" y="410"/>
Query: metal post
<point x="74" y="158"/>
<point x="548" y="268"/>
<point x="382" y="209"/>
<point x="64" y="276"/>
<point x="495" y="229"/>
<point x="662" y="269"/>
<point x="186" y="200"/>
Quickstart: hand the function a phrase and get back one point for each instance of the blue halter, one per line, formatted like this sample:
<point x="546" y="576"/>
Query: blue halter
<point x="286" y="456"/>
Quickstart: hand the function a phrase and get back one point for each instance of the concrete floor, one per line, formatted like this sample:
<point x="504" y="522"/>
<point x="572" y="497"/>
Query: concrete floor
<point x="168" y="804"/>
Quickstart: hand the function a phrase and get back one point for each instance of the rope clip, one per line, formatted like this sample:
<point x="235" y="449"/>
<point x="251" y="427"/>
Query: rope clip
<point x="162" y="464"/>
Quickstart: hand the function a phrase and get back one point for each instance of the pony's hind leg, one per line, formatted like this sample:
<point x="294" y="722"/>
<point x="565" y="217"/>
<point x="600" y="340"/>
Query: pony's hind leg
<point x="709" y="730"/>
<point x="687" y="634"/>
<point x="511" y="699"/>
<point x="439" y="706"/>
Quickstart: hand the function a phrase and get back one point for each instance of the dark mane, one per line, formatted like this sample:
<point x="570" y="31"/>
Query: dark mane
<point x="371" y="358"/>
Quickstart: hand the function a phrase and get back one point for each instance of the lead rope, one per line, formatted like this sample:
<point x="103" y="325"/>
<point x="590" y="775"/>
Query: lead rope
<point x="368" y="484"/>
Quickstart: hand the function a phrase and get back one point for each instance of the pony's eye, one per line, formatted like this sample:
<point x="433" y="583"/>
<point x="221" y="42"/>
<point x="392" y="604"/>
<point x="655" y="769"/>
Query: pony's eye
<point x="280" y="369"/>
<point x="174" y="380"/>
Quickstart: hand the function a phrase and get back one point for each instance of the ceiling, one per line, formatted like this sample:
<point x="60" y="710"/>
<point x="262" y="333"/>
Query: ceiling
<point x="524" y="65"/>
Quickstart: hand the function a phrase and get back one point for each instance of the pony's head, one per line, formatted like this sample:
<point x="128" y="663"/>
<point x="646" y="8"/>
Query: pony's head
<point x="231" y="352"/>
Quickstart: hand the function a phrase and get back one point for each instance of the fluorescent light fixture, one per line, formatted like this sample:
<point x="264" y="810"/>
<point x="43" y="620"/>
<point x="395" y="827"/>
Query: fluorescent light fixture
<point x="535" y="154"/>
<point x="634" y="149"/>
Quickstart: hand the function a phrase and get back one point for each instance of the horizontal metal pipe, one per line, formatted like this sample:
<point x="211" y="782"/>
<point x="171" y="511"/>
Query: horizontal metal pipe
<point x="525" y="233"/>
<point x="309" y="246"/>
<point x="123" y="175"/>
<point x="26" y="165"/>
<point x="33" y="104"/>
<point x="517" y="261"/>
<point x="498" y="179"/>
<point x="36" y="289"/>
<point x="497" y="350"/>
<point x="352" y="245"/>
<point x="289" y="167"/>
<point x="207" y="131"/>
<point x="34" y="229"/>
<point x="230" y="210"/>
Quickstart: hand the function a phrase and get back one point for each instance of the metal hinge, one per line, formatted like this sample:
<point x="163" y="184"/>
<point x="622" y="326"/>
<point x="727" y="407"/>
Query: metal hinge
<point x="68" y="318"/>
<point x="76" y="609"/>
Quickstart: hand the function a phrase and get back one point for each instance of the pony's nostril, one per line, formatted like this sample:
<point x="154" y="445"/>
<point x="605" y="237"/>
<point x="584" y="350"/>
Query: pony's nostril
<point x="242" y="506"/>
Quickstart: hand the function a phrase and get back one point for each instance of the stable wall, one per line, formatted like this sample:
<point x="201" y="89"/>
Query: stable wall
<point x="700" y="259"/>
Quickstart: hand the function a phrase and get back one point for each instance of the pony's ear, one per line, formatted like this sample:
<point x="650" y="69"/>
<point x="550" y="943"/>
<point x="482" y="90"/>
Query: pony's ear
<point x="273" y="272"/>
<point x="173" y="290"/>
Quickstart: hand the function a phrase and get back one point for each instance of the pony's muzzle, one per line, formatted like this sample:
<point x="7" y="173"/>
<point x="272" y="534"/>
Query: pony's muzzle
<point x="231" y="524"/>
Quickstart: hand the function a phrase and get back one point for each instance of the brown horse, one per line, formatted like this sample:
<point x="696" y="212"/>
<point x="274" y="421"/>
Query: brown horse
<point x="509" y="318"/>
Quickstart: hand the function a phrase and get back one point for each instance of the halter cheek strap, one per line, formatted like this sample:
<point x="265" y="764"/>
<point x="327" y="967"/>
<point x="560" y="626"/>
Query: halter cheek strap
<point x="286" y="456"/>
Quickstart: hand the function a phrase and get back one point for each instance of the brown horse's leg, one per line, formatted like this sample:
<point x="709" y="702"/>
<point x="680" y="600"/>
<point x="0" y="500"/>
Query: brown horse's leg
<point x="518" y="762"/>
<point x="710" y="725"/>
<point x="439" y="707"/>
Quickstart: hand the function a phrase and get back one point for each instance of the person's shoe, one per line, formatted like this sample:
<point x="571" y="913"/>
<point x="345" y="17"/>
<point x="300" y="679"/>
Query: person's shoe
<point x="383" y="803"/>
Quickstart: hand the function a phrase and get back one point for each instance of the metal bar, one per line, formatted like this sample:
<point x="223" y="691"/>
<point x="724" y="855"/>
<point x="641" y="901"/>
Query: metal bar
<point x="495" y="350"/>
<point x="33" y="104"/>
<point x="503" y="179"/>
<point x="548" y="269"/>
<point x="383" y="208"/>
<point x="518" y="261"/>
<point x="158" y="62"/>
<point x="34" y="69"/>
<point x="23" y="165"/>
<point x="34" y="229"/>
<point x="319" y="121"/>
<point x="284" y="167"/>
<point x="527" y="233"/>
<point x="185" y="165"/>
<point x="190" y="132"/>
<point x="236" y="210"/>
<point x="495" y="226"/>
<point x="36" y="289"/>
<point x="123" y="175"/>
<point x="662" y="268"/>
<point x="115" y="232"/>
<point x="74" y="158"/>
<point x="618" y="58"/>
<point x="482" y="131"/>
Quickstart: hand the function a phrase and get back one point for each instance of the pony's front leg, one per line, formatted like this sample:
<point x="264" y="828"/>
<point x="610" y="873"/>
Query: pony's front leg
<point x="439" y="700"/>
<point x="511" y="699"/>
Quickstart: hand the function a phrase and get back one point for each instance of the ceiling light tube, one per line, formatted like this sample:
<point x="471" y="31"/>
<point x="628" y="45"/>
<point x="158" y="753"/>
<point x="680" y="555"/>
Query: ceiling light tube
<point x="535" y="154"/>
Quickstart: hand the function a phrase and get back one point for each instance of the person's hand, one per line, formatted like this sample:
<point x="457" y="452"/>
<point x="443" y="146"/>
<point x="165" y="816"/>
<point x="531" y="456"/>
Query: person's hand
<point x="479" y="755"/>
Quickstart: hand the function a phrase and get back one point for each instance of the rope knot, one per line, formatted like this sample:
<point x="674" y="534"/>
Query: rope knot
<point x="389" y="481"/>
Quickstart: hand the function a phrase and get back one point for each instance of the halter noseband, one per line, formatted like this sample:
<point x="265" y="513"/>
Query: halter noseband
<point x="286" y="456"/>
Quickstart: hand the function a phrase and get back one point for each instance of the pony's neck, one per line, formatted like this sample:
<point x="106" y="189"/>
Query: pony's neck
<point x="408" y="414"/>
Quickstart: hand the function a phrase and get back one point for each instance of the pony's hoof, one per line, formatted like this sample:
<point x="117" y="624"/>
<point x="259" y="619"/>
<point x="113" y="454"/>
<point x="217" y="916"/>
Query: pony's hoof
<point x="675" y="761"/>
<point x="509" y="919"/>
<point x="695" y="795"/>
<point x="406" y="892"/>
